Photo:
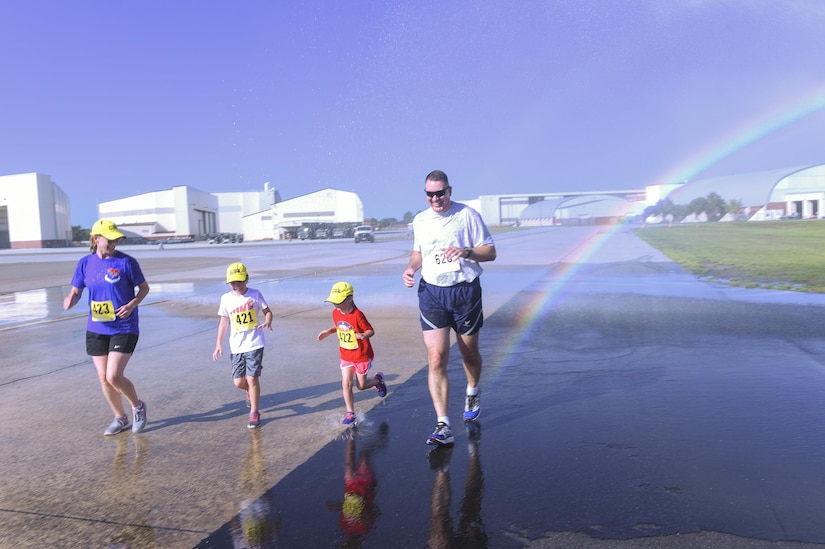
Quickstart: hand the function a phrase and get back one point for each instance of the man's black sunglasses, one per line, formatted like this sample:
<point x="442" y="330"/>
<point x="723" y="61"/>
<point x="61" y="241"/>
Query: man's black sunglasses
<point x="439" y="194"/>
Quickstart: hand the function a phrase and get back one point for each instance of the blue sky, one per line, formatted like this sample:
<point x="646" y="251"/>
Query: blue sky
<point x="118" y="98"/>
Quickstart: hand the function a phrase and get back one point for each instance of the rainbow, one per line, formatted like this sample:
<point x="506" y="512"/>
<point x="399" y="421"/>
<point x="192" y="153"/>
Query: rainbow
<point x="743" y="136"/>
<point x="727" y="144"/>
<point x="524" y="328"/>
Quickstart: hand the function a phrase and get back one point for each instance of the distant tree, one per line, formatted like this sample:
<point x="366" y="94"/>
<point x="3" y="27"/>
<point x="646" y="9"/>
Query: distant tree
<point x="387" y="222"/>
<point x="715" y="207"/>
<point x="734" y="205"/>
<point x="661" y="208"/>
<point x="669" y="208"/>
<point x="681" y="211"/>
<point x="79" y="234"/>
<point x="408" y="217"/>
<point x="697" y="206"/>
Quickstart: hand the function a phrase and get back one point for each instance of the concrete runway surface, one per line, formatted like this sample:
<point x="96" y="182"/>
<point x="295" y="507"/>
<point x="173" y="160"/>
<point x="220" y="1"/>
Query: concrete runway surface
<point x="624" y="404"/>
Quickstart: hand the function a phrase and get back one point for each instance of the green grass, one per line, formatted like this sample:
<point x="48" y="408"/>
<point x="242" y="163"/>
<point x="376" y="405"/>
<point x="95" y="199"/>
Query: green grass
<point x="783" y="255"/>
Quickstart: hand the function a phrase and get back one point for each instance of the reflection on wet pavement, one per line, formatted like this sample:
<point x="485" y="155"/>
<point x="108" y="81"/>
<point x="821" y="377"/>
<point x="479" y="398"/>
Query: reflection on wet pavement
<point x="470" y="523"/>
<point x="24" y="307"/>
<point x="18" y="308"/>
<point x="358" y="511"/>
<point x="347" y="519"/>
<point x="128" y="499"/>
<point x="257" y="521"/>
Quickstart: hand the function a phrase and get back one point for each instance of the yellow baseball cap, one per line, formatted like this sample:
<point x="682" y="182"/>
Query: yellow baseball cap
<point x="107" y="229"/>
<point x="236" y="273"/>
<point x="340" y="291"/>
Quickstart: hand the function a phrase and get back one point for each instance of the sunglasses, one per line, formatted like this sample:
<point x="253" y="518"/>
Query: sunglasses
<point x="437" y="194"/>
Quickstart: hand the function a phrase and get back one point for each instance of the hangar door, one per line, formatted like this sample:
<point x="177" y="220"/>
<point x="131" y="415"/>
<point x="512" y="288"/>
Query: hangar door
<point x="5" y="241"/>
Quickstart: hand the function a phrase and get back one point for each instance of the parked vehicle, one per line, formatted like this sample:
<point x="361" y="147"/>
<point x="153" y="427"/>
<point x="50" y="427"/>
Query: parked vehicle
<point x="306" y="232"/>
<point x="225" y="238"/>
<point x="136" y="240"/>
<point x="318" y="230"/>
<point x="178" y="240"/>
<point x="364" y="233"/>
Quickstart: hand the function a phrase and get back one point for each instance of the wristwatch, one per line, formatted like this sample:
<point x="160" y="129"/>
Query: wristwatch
<point x="468" y="252"/>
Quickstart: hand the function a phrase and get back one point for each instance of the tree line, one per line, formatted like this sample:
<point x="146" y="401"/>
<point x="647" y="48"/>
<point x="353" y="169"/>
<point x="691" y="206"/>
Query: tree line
<point x="713" y="206"/>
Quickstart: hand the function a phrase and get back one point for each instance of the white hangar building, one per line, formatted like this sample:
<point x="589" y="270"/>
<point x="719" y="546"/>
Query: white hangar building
<point x="797" y="192"/>
<point x="561" y="208"/>
<point x="766" y="195"/>
<point x="34" y="212"/>
<point x="233" y="207"/>
<point x="184" y="212"/>
<point x="327" y="207"/>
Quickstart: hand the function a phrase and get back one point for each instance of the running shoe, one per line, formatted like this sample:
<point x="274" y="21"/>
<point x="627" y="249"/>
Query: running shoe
<point x="139" y="421"/>
<point x="472" y="407"/>
<point x="118" y="425"/>
<point x="349" y="418"/>
<point x="254" y="420"/>
<point x="381" y="387"/>
<point x="442" y="435"/>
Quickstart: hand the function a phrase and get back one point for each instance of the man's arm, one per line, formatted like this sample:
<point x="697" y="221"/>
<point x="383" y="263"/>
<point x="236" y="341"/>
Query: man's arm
<point x="412" y="266"/>
<point x="481" y="254"/>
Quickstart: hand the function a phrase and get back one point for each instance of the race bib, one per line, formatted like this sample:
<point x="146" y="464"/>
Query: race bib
<point x="103" y="311"/>
<point x="347" y="340"/>
<point x="244" y="320"/>
<point x="440" y="264"/>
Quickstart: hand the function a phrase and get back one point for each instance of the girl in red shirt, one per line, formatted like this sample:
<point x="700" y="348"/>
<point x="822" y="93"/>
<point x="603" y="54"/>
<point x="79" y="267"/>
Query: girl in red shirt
<point x="354" y="333"/>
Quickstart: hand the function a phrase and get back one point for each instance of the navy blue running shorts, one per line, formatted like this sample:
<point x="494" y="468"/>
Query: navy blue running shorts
<point x="102" y="344"/>
<point x="248" y="364"/>
<point x="457" y="307"/>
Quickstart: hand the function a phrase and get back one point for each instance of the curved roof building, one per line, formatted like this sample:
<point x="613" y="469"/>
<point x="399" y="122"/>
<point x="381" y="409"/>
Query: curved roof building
<point x="770" y="194"/>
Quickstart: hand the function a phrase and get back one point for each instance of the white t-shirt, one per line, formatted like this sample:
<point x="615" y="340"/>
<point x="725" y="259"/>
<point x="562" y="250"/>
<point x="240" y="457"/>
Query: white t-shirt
<point x="246" y="313"/>
<point x="459" y="226"/>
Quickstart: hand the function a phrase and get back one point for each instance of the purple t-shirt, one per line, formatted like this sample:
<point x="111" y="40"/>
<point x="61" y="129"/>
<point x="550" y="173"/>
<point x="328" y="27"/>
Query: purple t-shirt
<point x="111" y="283"/>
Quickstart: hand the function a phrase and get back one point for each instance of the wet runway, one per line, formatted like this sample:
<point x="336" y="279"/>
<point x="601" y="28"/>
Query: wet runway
<point x="624" y="404"/>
